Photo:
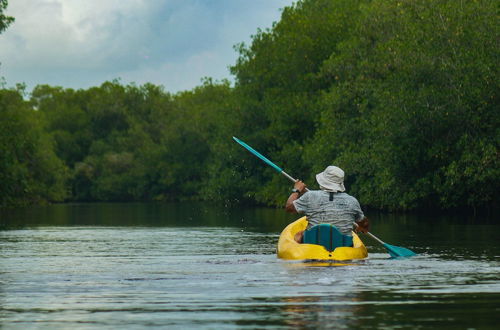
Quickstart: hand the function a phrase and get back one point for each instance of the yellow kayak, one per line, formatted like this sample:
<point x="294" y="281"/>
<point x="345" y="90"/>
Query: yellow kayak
<point x="289" y="249"/>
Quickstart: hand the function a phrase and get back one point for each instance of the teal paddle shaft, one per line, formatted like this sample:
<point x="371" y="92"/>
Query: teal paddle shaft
<point x="394" y="251"/>
<point x="264" y="159"/>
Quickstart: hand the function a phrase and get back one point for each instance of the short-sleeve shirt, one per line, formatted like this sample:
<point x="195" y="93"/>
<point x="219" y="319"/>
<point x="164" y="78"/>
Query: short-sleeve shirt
<point x="341" y="212"/>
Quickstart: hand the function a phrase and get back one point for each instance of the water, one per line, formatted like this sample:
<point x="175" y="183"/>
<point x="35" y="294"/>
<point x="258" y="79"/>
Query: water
<point x="179" y="266"/>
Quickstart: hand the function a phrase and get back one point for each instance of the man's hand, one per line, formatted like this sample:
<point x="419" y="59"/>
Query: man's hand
<point x="300" y="186"/>
<point x="363" y="226"/>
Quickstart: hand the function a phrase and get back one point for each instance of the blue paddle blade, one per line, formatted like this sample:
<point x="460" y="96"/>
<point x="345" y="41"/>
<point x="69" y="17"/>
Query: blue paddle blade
<point x="396" y="251"/>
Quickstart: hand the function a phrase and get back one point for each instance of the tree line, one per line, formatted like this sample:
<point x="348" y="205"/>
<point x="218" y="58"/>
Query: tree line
<point x="403" y="95"/>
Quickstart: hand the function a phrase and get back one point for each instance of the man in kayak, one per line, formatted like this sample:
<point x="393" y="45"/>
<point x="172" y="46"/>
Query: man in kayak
<point x="330" y="204"/>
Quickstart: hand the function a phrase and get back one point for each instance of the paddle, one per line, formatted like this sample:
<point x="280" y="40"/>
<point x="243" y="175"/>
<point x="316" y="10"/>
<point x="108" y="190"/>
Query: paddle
<point x="394" y="251"/>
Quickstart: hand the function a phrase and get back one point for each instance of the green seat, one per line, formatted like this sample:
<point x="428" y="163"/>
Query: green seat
<point x="327" y="236"/>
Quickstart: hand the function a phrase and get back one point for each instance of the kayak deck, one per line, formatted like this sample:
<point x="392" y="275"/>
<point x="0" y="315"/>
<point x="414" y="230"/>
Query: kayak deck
<point x="289" y="249"/>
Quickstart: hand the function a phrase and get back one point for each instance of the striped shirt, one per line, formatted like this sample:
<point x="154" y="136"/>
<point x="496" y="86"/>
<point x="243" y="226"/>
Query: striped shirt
<point x="341" y="212"/>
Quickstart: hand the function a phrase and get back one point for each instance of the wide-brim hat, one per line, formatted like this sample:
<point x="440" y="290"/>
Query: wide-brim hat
<point x="331" y="179"/>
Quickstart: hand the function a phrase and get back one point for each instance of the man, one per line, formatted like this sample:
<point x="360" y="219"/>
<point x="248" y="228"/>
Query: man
<point x="329" y="205"/>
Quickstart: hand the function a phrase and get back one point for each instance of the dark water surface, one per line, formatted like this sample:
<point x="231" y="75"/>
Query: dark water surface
<point x="192" y="266"/>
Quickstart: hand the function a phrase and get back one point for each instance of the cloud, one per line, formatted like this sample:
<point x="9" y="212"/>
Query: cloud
<point x="174" y="43"/>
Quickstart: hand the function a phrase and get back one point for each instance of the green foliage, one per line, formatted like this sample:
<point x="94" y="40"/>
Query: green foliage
<point x="29" y="170"/>
<point x="401" y="94"/>
<point x="5" y="20"/>
<point x="107" y="135"/>
<point x="127" y="143"/>
<point x="278" y="82"/>
<point x="420" y="93"/>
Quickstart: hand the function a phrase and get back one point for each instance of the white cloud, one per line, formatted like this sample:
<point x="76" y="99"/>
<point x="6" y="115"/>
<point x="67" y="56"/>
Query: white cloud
<point x="183" y="75"/>
<point x="67" y="34"/>
<point x="174" y="43"/>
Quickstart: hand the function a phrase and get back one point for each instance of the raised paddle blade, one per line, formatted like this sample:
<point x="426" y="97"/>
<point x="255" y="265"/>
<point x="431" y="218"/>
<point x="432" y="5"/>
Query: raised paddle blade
<point x="397" y="251"/>
<point x="258" y="154"/>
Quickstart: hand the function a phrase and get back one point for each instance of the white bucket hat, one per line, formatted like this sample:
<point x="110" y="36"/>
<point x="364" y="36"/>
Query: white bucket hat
<point x="331" y="179"/>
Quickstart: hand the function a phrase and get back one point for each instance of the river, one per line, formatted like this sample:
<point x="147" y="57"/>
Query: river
<point x="196" y="266"/>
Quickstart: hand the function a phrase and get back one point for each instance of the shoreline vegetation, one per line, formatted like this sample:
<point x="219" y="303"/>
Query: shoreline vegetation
<point x="403" y="95"/>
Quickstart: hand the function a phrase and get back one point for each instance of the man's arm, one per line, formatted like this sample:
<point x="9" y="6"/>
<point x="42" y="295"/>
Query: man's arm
<point x="363" y="225"/>
<point x="300" y="187"/>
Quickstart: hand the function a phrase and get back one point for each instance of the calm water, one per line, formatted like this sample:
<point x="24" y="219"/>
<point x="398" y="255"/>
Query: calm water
<point x="179" y="266"/>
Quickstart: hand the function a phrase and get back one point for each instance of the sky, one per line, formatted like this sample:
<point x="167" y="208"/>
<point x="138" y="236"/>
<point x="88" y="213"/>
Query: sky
<point x="173" y="43"/>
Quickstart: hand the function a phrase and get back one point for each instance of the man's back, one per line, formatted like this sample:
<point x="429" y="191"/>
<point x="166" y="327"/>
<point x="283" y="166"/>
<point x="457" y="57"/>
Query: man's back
<point x="339" y="209"/>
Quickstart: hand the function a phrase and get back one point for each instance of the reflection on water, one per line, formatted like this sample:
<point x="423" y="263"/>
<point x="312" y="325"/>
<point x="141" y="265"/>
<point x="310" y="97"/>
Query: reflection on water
<point x="110" y="266"/>
<point x="144" y="214"/>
